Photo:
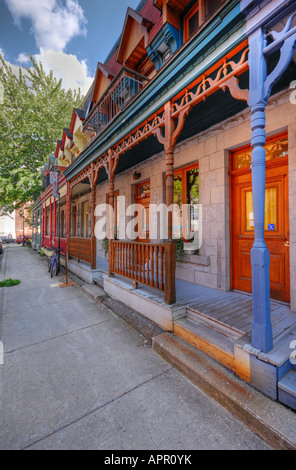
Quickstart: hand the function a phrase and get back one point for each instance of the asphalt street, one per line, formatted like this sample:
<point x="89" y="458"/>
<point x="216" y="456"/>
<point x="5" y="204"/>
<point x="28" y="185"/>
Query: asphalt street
<point x="77" y="376"/>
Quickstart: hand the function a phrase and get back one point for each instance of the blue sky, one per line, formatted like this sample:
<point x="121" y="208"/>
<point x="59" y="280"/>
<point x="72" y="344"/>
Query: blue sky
<point x="67" y="36"/>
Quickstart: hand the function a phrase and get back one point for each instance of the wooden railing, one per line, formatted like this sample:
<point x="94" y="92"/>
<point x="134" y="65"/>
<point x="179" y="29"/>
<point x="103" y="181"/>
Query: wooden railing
<point x="146" y="263"/>
<point x="80" y="248"/>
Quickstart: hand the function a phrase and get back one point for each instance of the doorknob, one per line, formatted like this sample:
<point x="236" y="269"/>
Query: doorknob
<point x="286" y="242"/>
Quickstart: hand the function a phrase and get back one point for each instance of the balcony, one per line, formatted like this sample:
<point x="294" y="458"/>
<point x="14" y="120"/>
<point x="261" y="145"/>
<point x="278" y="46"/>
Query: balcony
<point x="123" y="89"/>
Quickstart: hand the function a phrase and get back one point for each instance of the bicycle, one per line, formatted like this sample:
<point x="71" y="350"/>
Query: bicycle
<point x="53" y="263"/>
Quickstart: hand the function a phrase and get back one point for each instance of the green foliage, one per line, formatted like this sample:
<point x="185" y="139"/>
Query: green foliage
<point x="179" y="243"/>
<point x="34" y="111"/>
<point x="9" y="282"/>
<point x="105" y="245"/>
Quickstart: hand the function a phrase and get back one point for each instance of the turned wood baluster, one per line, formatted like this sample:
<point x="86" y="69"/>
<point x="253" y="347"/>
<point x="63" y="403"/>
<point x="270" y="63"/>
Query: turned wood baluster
<point x="152" y="266"/>
<point x="156" y="261"/>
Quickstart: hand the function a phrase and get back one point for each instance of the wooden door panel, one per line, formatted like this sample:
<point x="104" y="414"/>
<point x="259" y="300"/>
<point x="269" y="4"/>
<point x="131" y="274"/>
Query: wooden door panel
<point x="276" y="231"/>
<point x="245" y="272"/>
<point x="277" y="261"/>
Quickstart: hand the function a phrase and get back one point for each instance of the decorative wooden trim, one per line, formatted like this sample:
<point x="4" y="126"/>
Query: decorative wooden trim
<point x="172" y="116"/>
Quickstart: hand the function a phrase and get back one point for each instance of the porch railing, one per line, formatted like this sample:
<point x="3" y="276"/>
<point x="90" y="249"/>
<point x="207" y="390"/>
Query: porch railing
<point x="146" y="263"/>
<point x="49" y="242"/>
<point x="80" y="248"/>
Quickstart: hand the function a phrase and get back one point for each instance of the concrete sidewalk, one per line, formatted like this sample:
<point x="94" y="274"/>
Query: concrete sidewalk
<point x="78" y="376"/>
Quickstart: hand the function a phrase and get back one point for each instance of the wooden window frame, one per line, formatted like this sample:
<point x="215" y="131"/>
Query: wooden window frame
<point x="183" y="172"/>
<point x="201" y="7"/>
<point x="274" y="162"/>
<point x="188" y="16"/>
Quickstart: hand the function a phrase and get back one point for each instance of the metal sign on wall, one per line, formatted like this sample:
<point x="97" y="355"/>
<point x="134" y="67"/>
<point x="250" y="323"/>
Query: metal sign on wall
<point x="54" y="180"/>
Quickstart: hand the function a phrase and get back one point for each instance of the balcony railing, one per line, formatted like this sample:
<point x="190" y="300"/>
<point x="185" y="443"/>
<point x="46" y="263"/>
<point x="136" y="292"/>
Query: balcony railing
<point x="123" y="89"/>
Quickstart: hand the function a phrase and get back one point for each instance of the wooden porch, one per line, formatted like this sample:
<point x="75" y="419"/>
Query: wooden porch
<point x="216" y="322"/>
<point x="228" y="312"/>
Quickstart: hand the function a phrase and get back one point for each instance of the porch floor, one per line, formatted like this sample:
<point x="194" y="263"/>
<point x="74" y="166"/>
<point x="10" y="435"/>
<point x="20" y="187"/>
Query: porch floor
<point x="230" y="309"/>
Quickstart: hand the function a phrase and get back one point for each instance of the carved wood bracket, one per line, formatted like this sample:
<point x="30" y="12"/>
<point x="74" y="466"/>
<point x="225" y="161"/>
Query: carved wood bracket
<point x="172" y="128"/>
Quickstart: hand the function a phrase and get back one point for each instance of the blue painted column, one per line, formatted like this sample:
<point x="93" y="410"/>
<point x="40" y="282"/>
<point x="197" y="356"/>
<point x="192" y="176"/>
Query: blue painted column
<point x="260" y="259"/>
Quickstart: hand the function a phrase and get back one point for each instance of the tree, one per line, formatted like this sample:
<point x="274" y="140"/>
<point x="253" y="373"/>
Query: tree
<point x="33" y="113"/>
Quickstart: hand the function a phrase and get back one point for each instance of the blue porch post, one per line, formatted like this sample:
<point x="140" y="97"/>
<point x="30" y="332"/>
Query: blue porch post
<point x="260" y="89"/>
<point x="260" y="259"/>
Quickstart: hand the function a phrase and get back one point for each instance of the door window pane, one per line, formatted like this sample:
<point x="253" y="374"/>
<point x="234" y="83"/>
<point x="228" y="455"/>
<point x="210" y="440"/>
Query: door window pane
<point x="271" y="209"/>
<point x="271" y="220"/>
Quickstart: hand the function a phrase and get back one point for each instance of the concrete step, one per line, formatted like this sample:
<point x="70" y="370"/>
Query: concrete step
<point x="99" y="281"/>
<point x="287" y="389"/>
<point x="211" y="342"/>
<point x="270" y="420"/>
<point x="93" y="292"/>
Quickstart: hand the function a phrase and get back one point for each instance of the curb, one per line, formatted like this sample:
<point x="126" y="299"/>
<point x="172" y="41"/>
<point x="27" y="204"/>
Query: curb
<point x="271" y="421"/>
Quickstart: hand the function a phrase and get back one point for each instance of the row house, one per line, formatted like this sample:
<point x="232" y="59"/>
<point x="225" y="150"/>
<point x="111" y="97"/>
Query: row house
<point x="194" y="108"/>
<point x="49" y="211"/>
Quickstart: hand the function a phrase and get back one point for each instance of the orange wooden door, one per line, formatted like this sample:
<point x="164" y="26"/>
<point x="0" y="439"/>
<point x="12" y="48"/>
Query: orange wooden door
<point x="276" y="229"/>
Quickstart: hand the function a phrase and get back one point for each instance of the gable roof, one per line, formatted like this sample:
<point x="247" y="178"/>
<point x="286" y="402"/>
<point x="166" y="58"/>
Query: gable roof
<point x="135" y="29"/>
<point x="76" y="113"/>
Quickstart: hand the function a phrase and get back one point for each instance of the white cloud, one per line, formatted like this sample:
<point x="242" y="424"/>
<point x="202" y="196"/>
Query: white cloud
<point x="23" y="58"/>
<point x="66" y="66"/>
<point x="53" y="25"/>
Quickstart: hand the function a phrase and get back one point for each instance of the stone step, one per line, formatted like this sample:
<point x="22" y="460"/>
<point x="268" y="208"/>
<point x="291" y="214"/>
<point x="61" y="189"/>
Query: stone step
<point x="270" y="420"/>
<point x="207" y="340"/>
<point x="287" y="389"/>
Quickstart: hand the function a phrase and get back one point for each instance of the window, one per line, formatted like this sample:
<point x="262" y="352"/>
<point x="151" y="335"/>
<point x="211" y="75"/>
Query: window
<point x="116" y="214"/>
<point x="210" y="6"/>
<point x="197" y="15"/>
<point x="142" y="197"/>
<point x="276" y="147"/>
<point x="47" y="221"/>
<point x="191" y="22"/>
<point x="85" y="219"/>
<point x="186" y="192"/>
<point x="63" y="224"/>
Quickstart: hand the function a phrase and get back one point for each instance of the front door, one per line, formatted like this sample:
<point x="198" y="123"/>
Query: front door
<point x="276" y="228"/>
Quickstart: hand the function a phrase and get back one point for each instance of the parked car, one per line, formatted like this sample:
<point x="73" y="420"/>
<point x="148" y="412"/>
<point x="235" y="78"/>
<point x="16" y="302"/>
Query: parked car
<point x="7" y="240"/>
<point x="1" y="247"/>
<point x="20" y="238"/>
